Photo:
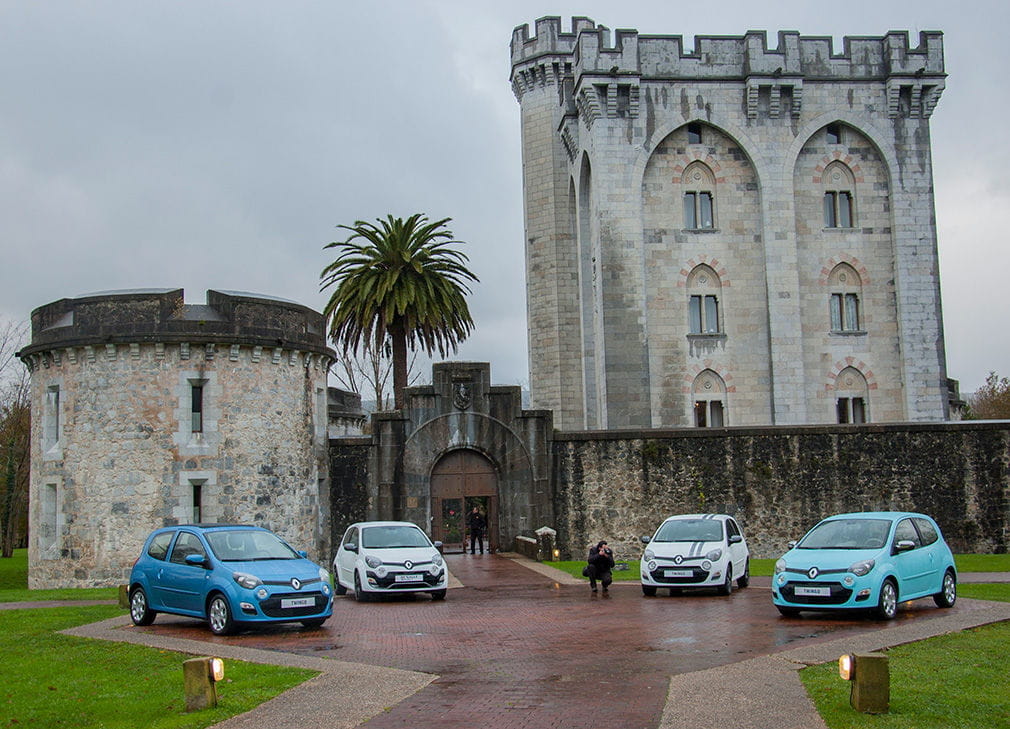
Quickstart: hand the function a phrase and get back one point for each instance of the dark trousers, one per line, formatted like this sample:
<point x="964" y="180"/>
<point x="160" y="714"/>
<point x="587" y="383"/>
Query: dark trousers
<point x="604" y="577"/>
<point x="477" y="537"/>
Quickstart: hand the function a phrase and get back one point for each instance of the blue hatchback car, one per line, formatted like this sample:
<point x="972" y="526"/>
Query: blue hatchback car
<point x="228" y="575"/>
<point x="869" y="561"/>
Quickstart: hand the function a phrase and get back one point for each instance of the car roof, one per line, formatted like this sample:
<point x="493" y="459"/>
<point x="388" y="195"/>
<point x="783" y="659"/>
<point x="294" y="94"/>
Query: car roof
<point x="875" y="515"/>
<point x="363" y="524"/>
<point x="697" y="516"/>
<point x="212" y="527"/>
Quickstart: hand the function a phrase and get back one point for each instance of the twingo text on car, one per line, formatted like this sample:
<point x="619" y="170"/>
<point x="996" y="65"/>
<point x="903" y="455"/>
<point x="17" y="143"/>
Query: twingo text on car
<point x="872" y="560"/>
<point x="695" y="550"/>
<point x="384" y="557"/>
<point x="230" y="575"/>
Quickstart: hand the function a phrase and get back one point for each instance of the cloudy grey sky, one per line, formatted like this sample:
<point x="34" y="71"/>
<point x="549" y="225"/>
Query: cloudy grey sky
<point x="217" y="144"/>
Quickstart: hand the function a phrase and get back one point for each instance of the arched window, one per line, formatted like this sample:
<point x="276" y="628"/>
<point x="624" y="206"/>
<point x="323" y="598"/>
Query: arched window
<point x="839" y="184"/>
<point x="709" y="396"/>
<point x="698" y="184"/>
<point x="846" y="290"/>
<point x="704" y="290"/>
<point x="851" y="405"/>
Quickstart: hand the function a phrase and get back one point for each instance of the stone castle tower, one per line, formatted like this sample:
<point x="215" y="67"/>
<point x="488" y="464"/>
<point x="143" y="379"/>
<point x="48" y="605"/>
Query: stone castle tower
<point x="729" y="235"/>
<point x="149" y="411"/>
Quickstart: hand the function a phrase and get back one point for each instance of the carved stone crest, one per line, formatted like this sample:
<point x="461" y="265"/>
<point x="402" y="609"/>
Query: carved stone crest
<point x="461" y="395"/>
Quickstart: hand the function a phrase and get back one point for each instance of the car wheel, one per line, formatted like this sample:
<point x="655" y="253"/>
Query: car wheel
<point x="727" y="585"/>
<point x="887" y="605"/>
<point x="438" y="594"/>
<point x="788" y="612"/>
<point x="140" y="612"/>
<point x="744" y="579"/>
<point x="649" y="590"/>
<point x="338" y="588"/>
<point x="947" y="595"/>
<point x="313" y="622"/>
<point x="219" y="615"/>
<point x="359" y="594"/>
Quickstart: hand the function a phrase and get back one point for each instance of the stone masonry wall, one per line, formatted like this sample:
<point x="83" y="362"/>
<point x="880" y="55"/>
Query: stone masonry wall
<point x="778" y="482"/>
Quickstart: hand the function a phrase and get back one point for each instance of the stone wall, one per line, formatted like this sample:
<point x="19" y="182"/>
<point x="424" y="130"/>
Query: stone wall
<point x="778" y="482"/>
<point x="349" y="460"/>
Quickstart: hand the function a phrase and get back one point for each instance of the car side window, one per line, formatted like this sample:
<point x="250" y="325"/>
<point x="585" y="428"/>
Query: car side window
<point x="926" y="530"/>
<point x="187" y="544"/>
<point x="731" y="528"/>
<point x="905" y="531"/>
<point x="159" y="546"/>
<point x="350" y="537"/>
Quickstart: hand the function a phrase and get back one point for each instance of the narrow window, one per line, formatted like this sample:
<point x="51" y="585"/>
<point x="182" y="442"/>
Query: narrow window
<point x="830" y="218"/>
<point x="851" y="410"/>
<point x="711" y="325"/>
<point x="704" y="314"/>
<point x="705" y="210"/>
<point x="715" y="408"/>
<point x="51" y="418"/>
<point x="197" y="408"/>
<point x="844" y="202"/>
<point x="708" y="414"/>
<point x="844" y="312"/>
<point x="698" y="211"/>
<point x="690" y="210"/>
<point x="695" y="306"/>
<point x="197" y="501"/>
<point x="700" y="414"/>
<point x="694" y="133"/>
<point x="834" y="134"/>
<point x="49" y="528"/>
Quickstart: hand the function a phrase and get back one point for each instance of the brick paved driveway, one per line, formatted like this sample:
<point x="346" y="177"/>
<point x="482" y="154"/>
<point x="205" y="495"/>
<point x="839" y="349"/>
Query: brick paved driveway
<point x="515" y="649"/>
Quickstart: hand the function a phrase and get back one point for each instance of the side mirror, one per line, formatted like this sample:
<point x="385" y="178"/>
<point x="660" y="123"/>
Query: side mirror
<point x="303" y="553"/>
<point x="904" y="545"/>
<point x="197" y="560"/>
<point x="735" y="539"/>
<point x="351" y="547"/>
<point x="791" y="544"/>
<point x="646" y="540"/>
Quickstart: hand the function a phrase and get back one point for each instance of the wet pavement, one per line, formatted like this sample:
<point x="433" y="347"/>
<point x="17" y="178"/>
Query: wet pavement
<point x="515" y="648"/>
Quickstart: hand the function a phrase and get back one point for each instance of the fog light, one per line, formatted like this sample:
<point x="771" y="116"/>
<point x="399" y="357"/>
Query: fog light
<point x="652" y="566"/>
<point x="849" y="580"/>
<point x="200" y="676"/>
<point x="262" y="593"/>
<point x="871" y="681"/>
<point x="706" y="565"/>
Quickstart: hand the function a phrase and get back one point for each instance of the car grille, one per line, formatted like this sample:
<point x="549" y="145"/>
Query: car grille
<point x="389" y="581"/>
<point x="838" y="594"/>
<point x="271" y="607"/>
<point x="697" y="575"/>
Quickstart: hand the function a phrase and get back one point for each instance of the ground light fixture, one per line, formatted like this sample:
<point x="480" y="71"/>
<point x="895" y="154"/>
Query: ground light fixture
<point x="200" y="677"/>
<point x="870" y="679"/>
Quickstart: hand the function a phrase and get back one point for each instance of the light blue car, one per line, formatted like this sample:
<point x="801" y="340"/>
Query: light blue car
<point x="231" y="576"/>
<point x="866" y="561"/>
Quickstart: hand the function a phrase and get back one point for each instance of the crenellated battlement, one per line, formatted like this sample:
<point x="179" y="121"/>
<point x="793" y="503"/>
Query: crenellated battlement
<point x="590" y="50"/>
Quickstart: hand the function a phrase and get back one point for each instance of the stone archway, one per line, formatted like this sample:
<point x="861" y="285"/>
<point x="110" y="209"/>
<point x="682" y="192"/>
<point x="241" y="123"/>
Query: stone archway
<point x="460" y="480"/>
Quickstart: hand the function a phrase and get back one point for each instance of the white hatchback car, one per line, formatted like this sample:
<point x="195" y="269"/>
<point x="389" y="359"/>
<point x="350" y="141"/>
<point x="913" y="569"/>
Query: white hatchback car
<point x="385" y="557"/>
<point x="695" y="550"/>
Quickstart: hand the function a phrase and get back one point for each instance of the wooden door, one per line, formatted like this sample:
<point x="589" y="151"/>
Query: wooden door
<point x="459" y="481"/>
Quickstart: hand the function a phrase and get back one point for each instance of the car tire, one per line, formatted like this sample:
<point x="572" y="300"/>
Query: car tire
<point x="887" y="604"/>
<point x="313" y="622"/>
<point x="788" y="612"/>
<point x="140" y="610"/>
<point x="649" y="590"/>
<point x="947" y="595"/>
<point x="438" y="594"/>
<point x="338" y="588"/>
<point x="219" y="616"/>
<point x="743" y="580"/>
<point x="727" y="586"/>
<point x="359" y="594"/>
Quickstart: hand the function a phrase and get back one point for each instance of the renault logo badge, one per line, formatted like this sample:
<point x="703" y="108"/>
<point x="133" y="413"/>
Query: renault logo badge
<point x="812" y="573"/>
<point x="408" y="564"/>
<point x="296" y="583"/>
<point x="678" y="559"/>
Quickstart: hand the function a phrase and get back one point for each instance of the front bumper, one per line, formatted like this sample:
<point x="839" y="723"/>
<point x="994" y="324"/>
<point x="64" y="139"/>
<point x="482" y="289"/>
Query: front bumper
<point x="668" y="574"/>
<point x="829" y="592"/>
<point x="282" y="605"/>
<point x="415" y="581"/>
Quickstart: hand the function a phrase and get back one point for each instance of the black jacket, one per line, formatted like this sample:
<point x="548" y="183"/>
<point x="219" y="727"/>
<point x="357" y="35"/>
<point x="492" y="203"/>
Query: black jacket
<point x="603" y="561"/>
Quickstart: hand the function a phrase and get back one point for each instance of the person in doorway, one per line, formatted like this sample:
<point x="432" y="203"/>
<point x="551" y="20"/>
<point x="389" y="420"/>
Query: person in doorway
<point x="601" y="562"/>
<point x="475" y="523"/>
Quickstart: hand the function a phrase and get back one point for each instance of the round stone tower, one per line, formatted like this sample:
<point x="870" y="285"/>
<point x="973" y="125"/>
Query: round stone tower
<point x="147" y="411"/>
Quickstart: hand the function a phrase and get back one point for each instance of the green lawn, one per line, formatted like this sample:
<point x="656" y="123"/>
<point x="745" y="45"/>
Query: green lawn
<point x="63" y="681"/>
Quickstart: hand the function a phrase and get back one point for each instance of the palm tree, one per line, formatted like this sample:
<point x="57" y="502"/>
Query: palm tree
<point x="401" y="280"/>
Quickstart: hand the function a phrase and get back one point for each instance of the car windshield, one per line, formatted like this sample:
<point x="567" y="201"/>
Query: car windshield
<point x="847" y="534"/>
<point x="690" y="530"/>
<point x="234" y="545"/>
<point x="393" y="536"/>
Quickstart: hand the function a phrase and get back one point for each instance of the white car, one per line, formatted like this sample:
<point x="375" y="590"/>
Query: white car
<point x="695" y="550"/>
<point x="385" y="557"/>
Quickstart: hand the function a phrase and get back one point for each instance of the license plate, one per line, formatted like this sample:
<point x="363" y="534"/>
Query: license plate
<point x="409" y="578"/>
<point x="297" y="602"/>
<point x="814" y="591"/>
<point x="678" y="573"/>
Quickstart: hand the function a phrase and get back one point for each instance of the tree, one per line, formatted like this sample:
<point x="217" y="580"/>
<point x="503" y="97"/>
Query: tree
<point x="368" y="373"/>
<point x="15" y="437"/>
<point x="992" y="400"/>
<point x="402" y="280"/>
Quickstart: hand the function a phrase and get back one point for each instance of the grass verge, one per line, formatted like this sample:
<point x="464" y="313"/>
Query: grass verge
<point x="63" y="681"/>
<point x="947" y="682"/>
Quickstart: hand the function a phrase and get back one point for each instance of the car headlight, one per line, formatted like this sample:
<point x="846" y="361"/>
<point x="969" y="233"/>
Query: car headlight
<point x="372" y="562"/>
<point x="435" y="567"/>
<point x="380" y="571"/>
<point x="649" y="555"/>
<point x="324" y="576"/>
<point x="437" y="559"/>
<point x="862" y="567"/>
<point x="780" y="566"/>
<point x="249" y="582"/>
<point x="714" y="555"/>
